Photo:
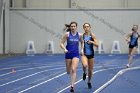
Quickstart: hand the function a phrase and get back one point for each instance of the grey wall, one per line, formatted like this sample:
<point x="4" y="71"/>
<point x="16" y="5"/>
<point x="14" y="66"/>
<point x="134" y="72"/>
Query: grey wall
<point x="90" y="4"/>
<point x="42" y="25"/>
<point x="1" y="34"/>
<point x="6" y="28"/>
<point x="1" y="38"/>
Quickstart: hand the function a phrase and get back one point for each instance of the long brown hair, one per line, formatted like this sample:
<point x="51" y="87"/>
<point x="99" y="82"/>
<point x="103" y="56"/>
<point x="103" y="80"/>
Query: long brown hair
<point x="73" y="23"/>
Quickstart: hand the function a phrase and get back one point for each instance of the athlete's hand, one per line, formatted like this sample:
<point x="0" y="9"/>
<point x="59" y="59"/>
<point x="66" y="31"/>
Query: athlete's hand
<point x="128" y="41"/>
<point x="65" y="51"/>
<point x="82" y="52"/>
<point x="90" y="42"/>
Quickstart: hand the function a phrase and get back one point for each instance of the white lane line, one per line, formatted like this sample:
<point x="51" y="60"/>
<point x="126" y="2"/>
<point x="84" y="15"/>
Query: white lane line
<point x="42" y="83"/>
<point x="29" y="76"/>
<point x="116" y="76"/>
<point x="35" y="81"/>
<point x="77" y="69"/>
<point x="29" y="69"/>
<point x="27" y="65"/>
<point x="82" y="79"/>
<point x="7" y="68"/>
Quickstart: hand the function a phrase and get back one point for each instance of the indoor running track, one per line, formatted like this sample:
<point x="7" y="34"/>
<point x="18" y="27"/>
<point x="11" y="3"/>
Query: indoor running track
<point x="47" y="74"/>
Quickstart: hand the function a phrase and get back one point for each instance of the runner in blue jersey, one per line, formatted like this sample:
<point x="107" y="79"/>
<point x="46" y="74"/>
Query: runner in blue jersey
<point x="132" y="39"/>
<point x="88" y="52"/>
<point x="71" y="51"/>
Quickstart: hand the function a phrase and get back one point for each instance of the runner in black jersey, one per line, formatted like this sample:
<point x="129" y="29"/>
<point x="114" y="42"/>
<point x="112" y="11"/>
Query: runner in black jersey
<point x="88" y="52"/>
<point x="132" y="39"/>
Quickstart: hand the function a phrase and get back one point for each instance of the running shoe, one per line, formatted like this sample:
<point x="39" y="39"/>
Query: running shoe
<point x="89" y="85"/>
<point x="127" y="65"/>
<point x="84" y="76"/>
<point x="71" y="89"/>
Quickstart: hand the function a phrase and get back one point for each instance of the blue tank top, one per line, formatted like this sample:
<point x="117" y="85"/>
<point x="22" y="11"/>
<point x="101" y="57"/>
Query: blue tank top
<point x="134" y="39"/>
<point x="73" y="43"/>
<point x="88" y="48"/>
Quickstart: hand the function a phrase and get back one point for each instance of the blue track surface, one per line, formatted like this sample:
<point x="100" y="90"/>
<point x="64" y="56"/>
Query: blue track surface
<point x="47" y="74"/>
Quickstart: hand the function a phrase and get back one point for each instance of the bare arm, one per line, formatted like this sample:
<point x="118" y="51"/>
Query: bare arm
<point x="128" y="37"/>
<point x="63" y="40"/>
<point x="139" y="35"/>
<point x="82" y="43"/>
<point x="95" y="42"/>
